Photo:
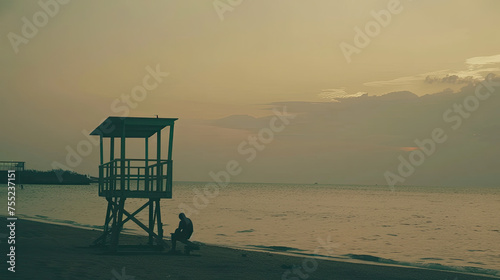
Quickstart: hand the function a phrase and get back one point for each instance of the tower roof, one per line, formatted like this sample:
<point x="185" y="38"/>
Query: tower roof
<point x="134" y="127"/>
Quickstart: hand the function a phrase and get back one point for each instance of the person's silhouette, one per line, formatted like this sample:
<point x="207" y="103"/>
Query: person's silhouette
<point x="183" y="232"/>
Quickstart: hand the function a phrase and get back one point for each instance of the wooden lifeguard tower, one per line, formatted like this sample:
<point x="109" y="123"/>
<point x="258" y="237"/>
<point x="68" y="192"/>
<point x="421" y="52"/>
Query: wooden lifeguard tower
<point x="122" y="178"/>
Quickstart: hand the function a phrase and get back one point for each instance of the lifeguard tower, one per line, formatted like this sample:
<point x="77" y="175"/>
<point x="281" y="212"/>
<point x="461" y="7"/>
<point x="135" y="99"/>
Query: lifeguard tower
<point x="122" y="178"/>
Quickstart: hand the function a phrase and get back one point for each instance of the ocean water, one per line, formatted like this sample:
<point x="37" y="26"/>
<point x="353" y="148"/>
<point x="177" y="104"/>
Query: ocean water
<point x="455" y="228"/>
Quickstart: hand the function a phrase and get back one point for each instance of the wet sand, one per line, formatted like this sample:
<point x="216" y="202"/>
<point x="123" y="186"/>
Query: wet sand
<point x="48" y="251"/>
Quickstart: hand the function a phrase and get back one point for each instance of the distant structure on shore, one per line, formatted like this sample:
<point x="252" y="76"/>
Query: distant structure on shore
<point x="18" y="166"/>
<point x="121" y="178"/>
<point x="12" y="165"/>
<point x="51" y="177"/>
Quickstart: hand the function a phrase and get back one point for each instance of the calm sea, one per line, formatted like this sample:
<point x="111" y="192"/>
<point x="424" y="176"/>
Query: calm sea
<point x="454" y="228"/>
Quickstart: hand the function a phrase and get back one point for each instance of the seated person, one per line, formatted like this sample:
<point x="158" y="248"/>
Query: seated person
<point x="183" y="232"/>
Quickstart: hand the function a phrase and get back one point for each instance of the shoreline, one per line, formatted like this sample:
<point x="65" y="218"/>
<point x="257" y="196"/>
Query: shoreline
<point x="53" y="251"/>
<point x="357" y="259"/>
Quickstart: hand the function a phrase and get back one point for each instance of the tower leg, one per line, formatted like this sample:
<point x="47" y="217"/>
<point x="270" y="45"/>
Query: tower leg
<point x="114" y="209"/>
<point x="160" y="225"/>
<point x="102" y="240"/>
<point x="108" y="216"/>
<point x="117" y="226"/>
<point x="114" y="216"/>
<point x="151" y="221"/>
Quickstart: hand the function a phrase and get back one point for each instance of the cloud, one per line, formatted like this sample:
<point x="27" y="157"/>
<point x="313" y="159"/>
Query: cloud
<point x="450" y="79"/>
<point x="441" y="76"/>
<point x="483" y="60"/>
<point x="476" y="69"/>
<point x="402" y="81"/>
<point x="357" y="139"/>
<point x="338" y="93"/>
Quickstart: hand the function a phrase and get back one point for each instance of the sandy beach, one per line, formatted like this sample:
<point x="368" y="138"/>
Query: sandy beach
<point x="289" y="140"/>
<point x="48" y="251"/>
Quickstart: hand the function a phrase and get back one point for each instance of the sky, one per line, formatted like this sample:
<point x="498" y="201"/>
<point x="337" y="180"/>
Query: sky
<point x="351" y="85"/>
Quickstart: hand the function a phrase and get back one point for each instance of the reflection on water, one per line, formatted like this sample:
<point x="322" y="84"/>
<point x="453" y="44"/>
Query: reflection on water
<point x="418" y="225"/>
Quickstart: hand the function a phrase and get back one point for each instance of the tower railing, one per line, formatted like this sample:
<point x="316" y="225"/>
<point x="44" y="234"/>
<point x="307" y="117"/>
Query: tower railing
<point x="140" y="178"/>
